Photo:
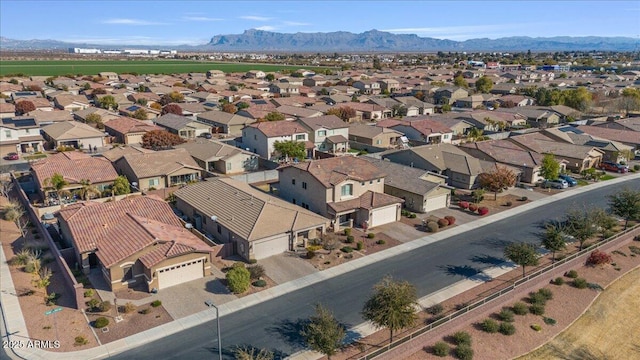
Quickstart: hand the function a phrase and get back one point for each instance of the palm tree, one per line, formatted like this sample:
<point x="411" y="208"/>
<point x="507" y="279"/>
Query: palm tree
<point x="56" y="183"/>
<point x="87" y="191"/>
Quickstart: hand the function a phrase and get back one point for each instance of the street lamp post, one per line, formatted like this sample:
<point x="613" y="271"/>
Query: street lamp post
<point x="210" y="303"/>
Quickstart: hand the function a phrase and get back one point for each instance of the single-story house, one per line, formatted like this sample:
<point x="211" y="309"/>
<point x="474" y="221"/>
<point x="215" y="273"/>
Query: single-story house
<point x="223" y="122"/>
<point x="215" y="156"/>
<point x="73" y="133"/>
<point x="183" y="126"/>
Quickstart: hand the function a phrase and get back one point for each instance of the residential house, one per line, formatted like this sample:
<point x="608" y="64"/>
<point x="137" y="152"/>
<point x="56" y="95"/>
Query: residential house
<point x="137" y="241"/>
<point x="218" y="157"/>
<point x="627" y="137"/>
<point x="223" y="122"/>
<point x="215" y="74"/>
<point x="328" y="133"/>
<point x="513" y="100"/>
<point x="492" y="121"/>
<point x="613" y="150"/>
<point x="130" y="111"/>
<point x="255" y="74"/>
<point x="449" y="95"/>
<point x="370" y="112"/>
<point x="7" y="110"/>
<point x="284" y="89"/>
<point x="71" y="103"/>
<point x="389" y="85"/>
<point x="347" y="189"/>
<point x="367" y="87"/>
<point x="421" y="190"/>
<point x="182" y="126"/>
<point x="474" y="101"/>
<point x="108" y="75"/>
<point x="631" y="124"/>
<point x="423" y="108"/>
<point x="261" y="137"/>
<point x="295" y="112"/>
<point x="376" y="136"/>
<point x="539" y="118"/>
<point x="114" y="154"/>
<point x="105" y="115"/>
<point x="20" y="134"/>
<point x="420" y="128"/>
<point x="74" y="134"/>
<point x="160" y="169"/>
<point x="127" y="131"/>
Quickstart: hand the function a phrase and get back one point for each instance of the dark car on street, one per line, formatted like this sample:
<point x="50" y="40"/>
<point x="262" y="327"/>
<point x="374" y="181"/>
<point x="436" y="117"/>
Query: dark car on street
<point x="12" y="156"/>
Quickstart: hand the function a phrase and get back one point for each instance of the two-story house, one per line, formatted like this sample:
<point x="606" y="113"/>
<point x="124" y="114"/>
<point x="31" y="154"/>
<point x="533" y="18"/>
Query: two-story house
<point x="328" y="133"/>
<point x="261" y="137"/>
<point x="20" y="134"/>
<point x="376" y="136"/>
<point x="367" y="87"/>
<point x="346" y="189"/>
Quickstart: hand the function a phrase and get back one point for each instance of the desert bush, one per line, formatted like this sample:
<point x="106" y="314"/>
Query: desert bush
<point x="259" y="283"/>
<point x="238" y="279"/>
<point x="571" y="274"/>
<point x="381" y="242"/>
<point x="253" y="261"/>
<point x="104" y="306"/>
<point x="634" y="249"/>
<point x="506" y="315"/>
<point x="537" y="298"/>
<point x="520" y="308"/>
<point x="464" y="352"/>
<point x="507" y="329"/>
<point x="311" y="254"/>
<point x="314" y="248"/>
<point x="371" y="235"/>
<point x="473" y="207"/>
<point x="558" y="281"/>
<point x="536" y="309"/>
<point x="441" y="349"/>
<point x="536" y="327"/>
<point x="412" y="216"/>
<point x="156" y="303"/>
<point x="80" y="340"/>
<point x="404" y="212"/>
<point x="489" y="325"/>
<point x="524" y="198"/>
<point x="360" y="245"/>
<point x="443" y="222"/>
<point x="31" y="266"/>
<point x="51" y="299"/>
<point x="508" y="203"/>
<point x="92" y="304"/>
<point x="598" y="257"/>
<point x="464" y="205"/>
<point x="347" y="249"/>
<point x="548" y="294"/>
<point x="128" y="307"/>
<point x="144" y="311"/>
<point x="636" y="167"/>
<point x="350" y="239"/>
<point x="580" y="283"/>
<point x="100" y="322"/>
<point x="450" y="219"/>
<point x="549" y="321"/>
<point x="435" y="309"/>
<point x="462" y="338"/>
<point x="619" y="253"/>
<point x="88" y="293"/>
<point x="433" y="226"/>
<point x="347" y="231"/>
<point x="483" y="210"/>
<point x="256" y="272"/>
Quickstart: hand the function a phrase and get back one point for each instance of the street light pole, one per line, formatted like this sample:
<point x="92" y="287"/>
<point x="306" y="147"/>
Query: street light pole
<point x="218" y="326"/>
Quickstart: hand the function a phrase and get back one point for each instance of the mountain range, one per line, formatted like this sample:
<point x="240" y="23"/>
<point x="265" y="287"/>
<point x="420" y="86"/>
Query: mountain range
<point x="368" y="41"/>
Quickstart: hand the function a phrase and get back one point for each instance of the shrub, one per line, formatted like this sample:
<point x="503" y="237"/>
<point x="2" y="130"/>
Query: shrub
<point x="311" y="254"/>
<point x="381" y="242"/>
<point x="404" y="212"/>
<point x="558" y="281"/>
<point x="536" y="309"/>
<point x="347" y="231"/>
<point x="598" y="257"/>
<point x="634" y="249"/>
<point x="443" y="222"/>
<point x="508" y="203"/>
<point x="104" y="306"/>
<point x="256" y="272"/>
<point x="360" y="245"/>
<point x="238" y="279"/>
<point x="441" y="349"/>
<point x="549" y="321"/>
<point x="92" y="304"/>
<point x="537" y="298"/>
<point x="156" y="303"/>
<point x="619" y="253"/>
<point x="128" y="307"/>
<point x="31" y="267"/>
<point x="462" y="338"/>
<point x="253" y="261"/>
<point x="506" y="315"/>
<point x="259" y="283"/>
<point x="433" y="226"/>
<point x="347" y="249"/>
<point x="464" y="352"/>
<point x="350" y="239"/>
<point x="571" y="274"/>
<point x="371" y="235"/>
<point x="483" y="210"/>
<point x="51" y="299"/>
<point x="524" y="198"/>
<point x="101" y="322"/>
<point x="489" y="325"/>
<point x="144" y="311"/>
<point x="507" y="329"/>
<point x="450" y="219"/>
<point x="464" y="205"/>
<point x="88" y="293"/>
<point x="580" y="283"/>
<point x="435" y="309"/>
<point x="520" y="308"/>
<point x="412" y="216"/>
<point x="473" y="207"/>
<point x="636" y="167"/>
<point x="536" y="327"/>
<point x="80" y="340"/>
<point x="548" y="294"/>
<point x="314" y="248"/>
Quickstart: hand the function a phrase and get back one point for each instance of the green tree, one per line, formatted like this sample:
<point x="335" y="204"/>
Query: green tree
<point x="121" y="186"/>
<point x="497" y="180"/>
<point x="553" y="239"/>
<point x="484" y="84"/>
<point x="108" y="102"/>
<point x="579" y="99"/>
<point x="274" y="116"/>
<point x="238" y="278"/>
<point x="626" y="204"/>
<point x="140" y="114"/>
<point x="56" y="183"/>
<point x="323" y="333"/>
<point x="460" y="81"/>
<point x="87" y="191"/>
<point x="173" y="97"/>
<point x="270" y="77"/>
<point x="249" y="353"/>
<point x="376" y="63"/>
<point x="446" y="108"/>
<point x="399" y="110"/>
<point x="579" y="223"/>
<point x="392" y="305"/>
<point x="522" y="254"/>
<point x="475" y="134"/>
<point x="344" y="112"/>
<point x="93" y="119"/>
<point x="290" y="149"/>
<point x="550" y="167"/>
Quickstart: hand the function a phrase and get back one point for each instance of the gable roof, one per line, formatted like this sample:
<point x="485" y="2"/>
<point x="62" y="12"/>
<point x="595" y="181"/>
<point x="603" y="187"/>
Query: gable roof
<point x="279" y="128"/>
<point x="505" y="151"/>
<point x="370" y="131"/>
<point x="403" y="177"/>
<point x="74" y="167"/>
<point x="119" y="151"/>
<point x="222" y="117"/>
<point x="68" y="130"/>
<point x="159" y="163"/>
<point x="127" y="125"/>
<point x="211" y="150"/>
<point x="325" y="121"/>
<point x="332" y="171"/>
<point x="172" y="121"/>
<point x="246" y="211"/>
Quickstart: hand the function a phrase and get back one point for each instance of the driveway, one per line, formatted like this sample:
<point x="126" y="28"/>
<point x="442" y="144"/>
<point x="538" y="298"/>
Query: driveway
<point x="285" y="267"/>
<point x="400" y="231"/>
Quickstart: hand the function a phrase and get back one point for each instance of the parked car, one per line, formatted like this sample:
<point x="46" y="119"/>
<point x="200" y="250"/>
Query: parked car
<point x="571" y="181"/>
<point x="205" y="135"/>
<point x="611" y="166"/>
<point x="12" y="156"/>
<point x="555" y="184"/>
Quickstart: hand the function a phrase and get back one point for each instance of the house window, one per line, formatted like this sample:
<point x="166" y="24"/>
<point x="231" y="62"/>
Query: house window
<point x="347" y="190"/>
<point x="304" y="185"/>
<point x="322" y="133"/>
<point x="293" y="181"/>
<point x="445" y="136"/>
<point x="219" y="229"/>
<point x="228" y="166"/>
<point x="7" y="133"/>
<point x="378" y="142"/>
<point x="154" y="182"/>
<point x="370" y="182"/>
<point x="361" y="184"/>
<point x="300" y="137"/>
<point x="128" y="273"/>
<point x="378" y="180"/>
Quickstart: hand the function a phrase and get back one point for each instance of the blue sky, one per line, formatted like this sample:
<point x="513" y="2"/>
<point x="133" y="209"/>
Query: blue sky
<point x="165" y="22"/>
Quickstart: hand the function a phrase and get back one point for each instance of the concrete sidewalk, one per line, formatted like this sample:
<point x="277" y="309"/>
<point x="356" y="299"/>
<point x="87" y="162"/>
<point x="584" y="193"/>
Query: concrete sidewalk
<point x="15" y="322"/>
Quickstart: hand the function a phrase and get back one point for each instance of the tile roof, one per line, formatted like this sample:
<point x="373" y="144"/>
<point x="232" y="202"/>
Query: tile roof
<point x="337" y="139"/>
<point x="210" y="150"/>
<point x="624" y="136"/>
<point x="544" y="145"/>
<point x="297" y="111"/>
<point x="332" y="171"/>
<point x="325" y="121"/>
<point x="71" y="130"/>
<point x="279" y="128"/>
<point x="160" y="163"/>
<point x="403" y="177"/>
<point x="127" y="125"/>
<point x="172" y="121"/>
<point x="119" y="151"/>
<point x="222" y="117"/>
<point x="74" y="166"/>
<point x="369" y="132"/>
<point x="369" y="200"/>
<point x="246" y="211"/>
<point x="505" y="151"/>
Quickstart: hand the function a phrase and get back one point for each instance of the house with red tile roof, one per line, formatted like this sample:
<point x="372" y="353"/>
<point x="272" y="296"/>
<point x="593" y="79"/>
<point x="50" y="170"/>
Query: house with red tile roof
<point x="346" y="189"/>
<point x="134" y="241"/>
<point x="127" y="130"/>
<point x="420" y="128"/>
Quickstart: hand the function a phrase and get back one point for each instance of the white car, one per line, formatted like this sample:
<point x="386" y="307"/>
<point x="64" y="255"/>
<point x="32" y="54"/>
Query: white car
<point x="556" y="184"/>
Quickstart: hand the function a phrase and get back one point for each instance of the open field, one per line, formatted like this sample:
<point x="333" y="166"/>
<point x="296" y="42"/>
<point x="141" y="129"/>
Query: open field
<point x="93" y="67"/>
<point x="608" y="330"/>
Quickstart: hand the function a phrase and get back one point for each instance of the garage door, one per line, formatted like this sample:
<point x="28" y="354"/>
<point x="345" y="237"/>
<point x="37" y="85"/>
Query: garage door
<point x="268" y="248"/>
<point x="178" y="274"/>
<point x="436" y="203"/>
<point x="384" y="215"/>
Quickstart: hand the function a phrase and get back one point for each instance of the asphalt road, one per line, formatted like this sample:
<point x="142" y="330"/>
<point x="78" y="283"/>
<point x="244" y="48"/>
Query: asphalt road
<point x="275" y="324"/>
